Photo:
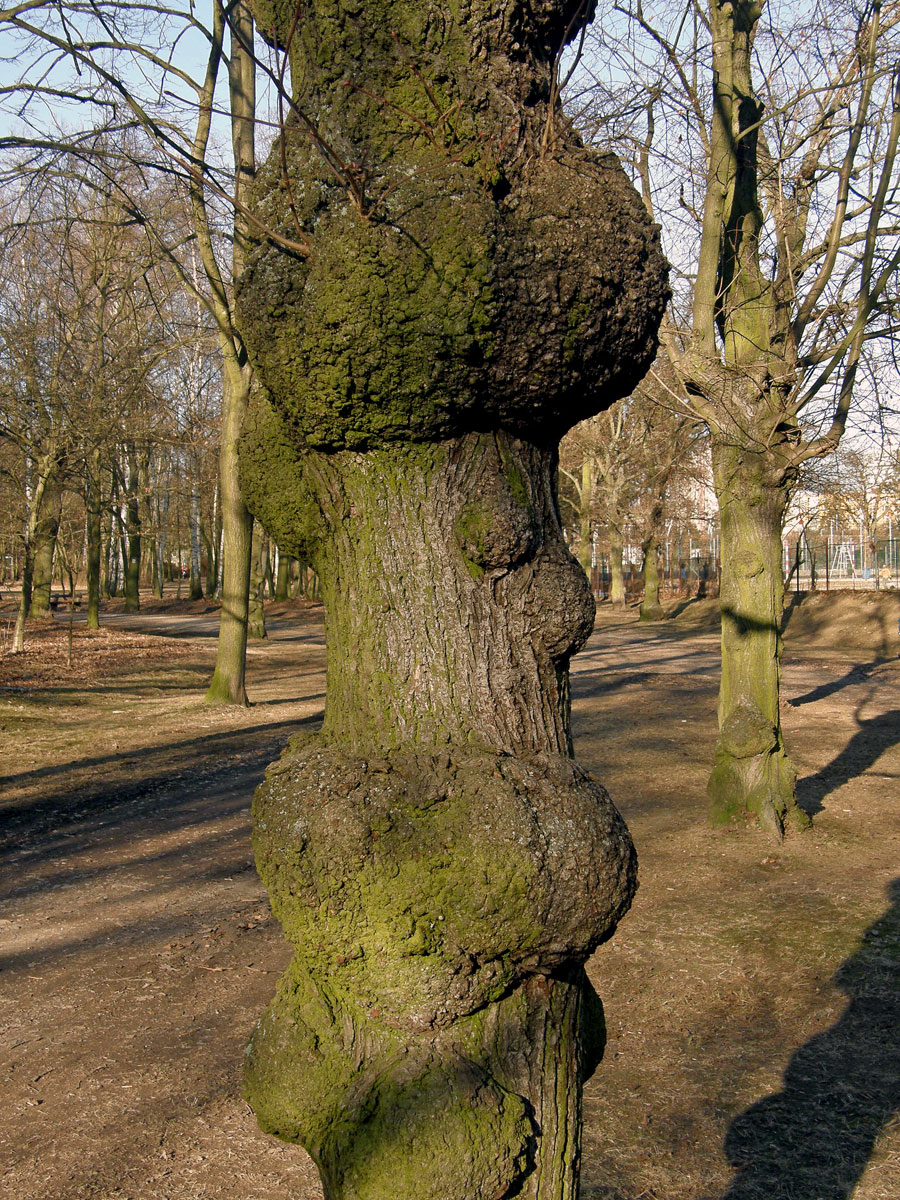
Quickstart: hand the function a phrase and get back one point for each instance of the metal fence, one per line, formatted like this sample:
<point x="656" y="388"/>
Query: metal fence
<point x="845" y="564"/>
<point x="809" y="564"/>
<point x="698" y="576"/>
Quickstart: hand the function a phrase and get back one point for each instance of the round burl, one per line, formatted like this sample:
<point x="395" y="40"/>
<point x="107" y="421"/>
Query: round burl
<point x="421" y="888"/>
<point x="449" y="310"/>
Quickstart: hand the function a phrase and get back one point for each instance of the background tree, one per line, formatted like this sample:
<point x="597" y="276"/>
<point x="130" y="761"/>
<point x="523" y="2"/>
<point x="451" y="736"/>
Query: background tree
<point x="765" y="138"/>
<point x="619" y="466"/>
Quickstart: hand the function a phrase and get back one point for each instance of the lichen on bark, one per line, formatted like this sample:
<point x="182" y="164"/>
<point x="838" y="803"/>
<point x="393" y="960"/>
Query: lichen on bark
<point x="441" y="865"/>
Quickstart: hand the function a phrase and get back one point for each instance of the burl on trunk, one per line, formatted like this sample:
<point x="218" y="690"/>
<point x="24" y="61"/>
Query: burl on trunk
<point x="476" y="282"/>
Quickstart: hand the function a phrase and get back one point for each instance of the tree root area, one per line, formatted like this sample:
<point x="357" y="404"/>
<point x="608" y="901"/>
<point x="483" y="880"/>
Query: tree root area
<point x="751" y="995"/>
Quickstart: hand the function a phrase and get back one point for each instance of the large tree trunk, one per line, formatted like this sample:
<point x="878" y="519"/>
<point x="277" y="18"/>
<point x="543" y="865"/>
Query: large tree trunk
<point x="441" y="865"/>
<point x="44" y="548"/>
<point x="651" y="609"/>
<point x="753" y="772"/>
<point x="444" y="886"/>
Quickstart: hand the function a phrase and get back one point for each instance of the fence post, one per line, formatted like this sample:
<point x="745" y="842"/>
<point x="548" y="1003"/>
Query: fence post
<point x="827" y="555"/>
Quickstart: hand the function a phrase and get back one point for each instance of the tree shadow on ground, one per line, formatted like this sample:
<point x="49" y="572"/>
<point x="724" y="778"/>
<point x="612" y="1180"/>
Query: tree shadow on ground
<point x="813" y="1140"/>
<point x="873" y="738"/>
<point x="858" y="673"/>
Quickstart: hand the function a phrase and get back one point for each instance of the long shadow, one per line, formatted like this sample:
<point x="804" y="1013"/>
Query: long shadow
<point x="53" y="827"/>
<point x="858" y="673"/>
<point x="199" y="746"/>
<point x="813" y="1140"/>
<point x="867" y="745"/>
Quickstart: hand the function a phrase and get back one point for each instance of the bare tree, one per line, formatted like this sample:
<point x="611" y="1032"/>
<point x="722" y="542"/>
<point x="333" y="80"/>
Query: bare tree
<point x="765" y="139"/>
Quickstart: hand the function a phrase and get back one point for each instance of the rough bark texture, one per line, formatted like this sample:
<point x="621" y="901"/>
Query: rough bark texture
<point x="651" y="609"/>
<point x="616" y="569"/>
<point x="441" y="865"/>
<point x="752" y="771"/>
<point x="44" y="549"/>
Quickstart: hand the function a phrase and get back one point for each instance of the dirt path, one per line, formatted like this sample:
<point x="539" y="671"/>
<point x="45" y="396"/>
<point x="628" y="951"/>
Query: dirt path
<point x="136" y="947"/>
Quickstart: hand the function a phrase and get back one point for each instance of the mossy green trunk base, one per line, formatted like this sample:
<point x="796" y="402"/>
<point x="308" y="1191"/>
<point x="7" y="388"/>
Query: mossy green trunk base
<point x="440" y="864"/>
<point x="428" y="1040"/>
<point x="752" y="773"/>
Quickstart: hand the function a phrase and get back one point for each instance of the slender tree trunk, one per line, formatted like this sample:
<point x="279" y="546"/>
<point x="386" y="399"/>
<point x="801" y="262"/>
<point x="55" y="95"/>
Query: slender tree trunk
<point x="616" y="570"/>
<point x="35" y="499"/>
<point x="163" y="511"/>
<point x="283" y="575"/>
<point x="132" y="541"/>
<point x="256" y="623"/>
<point x="94" y="540"/>
<point x="227" y="685"/>
<point x="44" y="548"/>
<point x="267" y="573"/>
<point x="753" y="772"/>
<point x="586" y="499"/>
<point x="651" y="609"/>
<point x="196" y="587"/>
<point x="18" y="645"/>
<point x="214" y="575"/>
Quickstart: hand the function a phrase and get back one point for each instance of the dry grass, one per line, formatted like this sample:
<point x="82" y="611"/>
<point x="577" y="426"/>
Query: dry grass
<point x="52" y="657"/>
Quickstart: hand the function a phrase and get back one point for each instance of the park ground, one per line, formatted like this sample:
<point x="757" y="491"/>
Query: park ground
<point x="752" y="994"/>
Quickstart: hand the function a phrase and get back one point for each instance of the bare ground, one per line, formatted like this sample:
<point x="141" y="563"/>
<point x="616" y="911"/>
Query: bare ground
<point x="752" y="993"/>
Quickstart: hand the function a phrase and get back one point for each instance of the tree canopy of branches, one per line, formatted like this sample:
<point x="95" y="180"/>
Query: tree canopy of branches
<point x="124" y="74"/>
<point x="87" y="336"/>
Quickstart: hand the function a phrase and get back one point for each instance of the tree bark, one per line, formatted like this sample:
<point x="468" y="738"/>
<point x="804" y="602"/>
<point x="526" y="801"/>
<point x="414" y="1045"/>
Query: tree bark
<point x="449" y="925"/>
<point x="616" y="569"/>
<point x="753" y="772"/>
<point x="256" y="619"/>
<point x="44" y="470"/>
<point x="651" y="609"/>
<point x="94" y="539"/>
<point x="586" y="500"/>
<point x="227" y="684"/>
<point x="131" y="547"/>
<point x="441" y="865"/>
<point x="44" y="548"/>
<point x="196" y="584"/>
<point x="282" y="575"/>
